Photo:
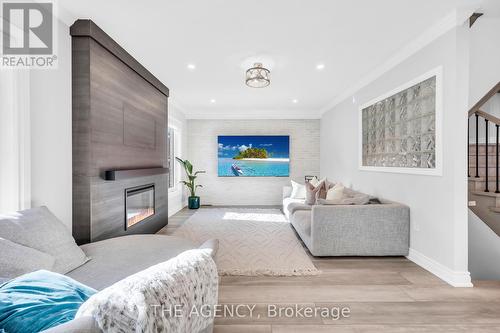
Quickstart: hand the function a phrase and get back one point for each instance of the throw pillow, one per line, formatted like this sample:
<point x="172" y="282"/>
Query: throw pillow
<point x="325" y="186"/>
<point x="16" y="259"/>
<point x="39" y="229"/>
<point x="335" y="193"/>
<point x="40" y="300"/>
<point x="312" y="192"/>
<point x="298" y="191"/>
<point x="315" y="182"/>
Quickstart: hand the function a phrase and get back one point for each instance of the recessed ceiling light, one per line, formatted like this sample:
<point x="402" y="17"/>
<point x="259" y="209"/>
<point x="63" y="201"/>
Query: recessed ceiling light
<point x="213" y="101"/>
<point x="320" y="67"/>
<point x="191" y="67"/>
<point x="295" y="101"/>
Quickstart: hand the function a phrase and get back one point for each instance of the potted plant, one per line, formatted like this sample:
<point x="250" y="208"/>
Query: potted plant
<point x="193" y="200"/>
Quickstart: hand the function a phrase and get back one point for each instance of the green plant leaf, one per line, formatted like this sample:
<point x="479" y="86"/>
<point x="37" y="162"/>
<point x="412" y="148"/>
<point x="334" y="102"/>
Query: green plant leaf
<point x="191" y="178"/>
<point x="179" y="160"/>
<point x="189" y="167"/>
<point x="197" y="172"/>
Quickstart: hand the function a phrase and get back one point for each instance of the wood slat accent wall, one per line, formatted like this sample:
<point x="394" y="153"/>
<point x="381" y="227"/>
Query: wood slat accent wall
<point x="119" y="122"/>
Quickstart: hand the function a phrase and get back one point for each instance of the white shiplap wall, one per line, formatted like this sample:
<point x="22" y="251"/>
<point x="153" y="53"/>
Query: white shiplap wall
<point x="202" y="152"/>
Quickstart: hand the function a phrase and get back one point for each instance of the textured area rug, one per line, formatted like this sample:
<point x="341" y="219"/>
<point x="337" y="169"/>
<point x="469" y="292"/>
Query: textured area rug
<point x="251" y="241"/>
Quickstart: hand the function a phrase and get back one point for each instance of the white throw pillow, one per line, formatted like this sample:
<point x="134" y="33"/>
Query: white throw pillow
<point x="336" y="192"/>
<point x="298" y="191"/>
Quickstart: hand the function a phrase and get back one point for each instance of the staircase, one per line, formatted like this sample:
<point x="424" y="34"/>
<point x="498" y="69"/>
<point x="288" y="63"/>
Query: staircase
<point x="483" y="173"/>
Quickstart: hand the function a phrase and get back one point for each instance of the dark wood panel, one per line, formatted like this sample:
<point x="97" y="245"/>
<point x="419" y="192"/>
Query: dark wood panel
<point x="113" y="83"/>
<point x="119" y="122"/>
<point x="87" y="28"/>
<point x="139" y="129"/>
<point x="81" y="139"/>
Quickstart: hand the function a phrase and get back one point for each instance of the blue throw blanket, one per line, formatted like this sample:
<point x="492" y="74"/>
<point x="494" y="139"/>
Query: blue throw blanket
<point x="40" y="300"/>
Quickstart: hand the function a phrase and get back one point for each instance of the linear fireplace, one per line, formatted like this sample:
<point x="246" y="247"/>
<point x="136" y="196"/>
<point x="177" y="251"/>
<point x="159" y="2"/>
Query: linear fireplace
<point x="139" y="204"/>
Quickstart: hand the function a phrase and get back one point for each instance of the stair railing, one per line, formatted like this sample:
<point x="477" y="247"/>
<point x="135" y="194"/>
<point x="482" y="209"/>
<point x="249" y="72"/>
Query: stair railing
<point x="475" y="111"/>
<point x="487" y="119"/>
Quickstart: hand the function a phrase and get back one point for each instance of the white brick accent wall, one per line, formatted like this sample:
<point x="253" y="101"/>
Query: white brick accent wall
<point x="202" y="152"/>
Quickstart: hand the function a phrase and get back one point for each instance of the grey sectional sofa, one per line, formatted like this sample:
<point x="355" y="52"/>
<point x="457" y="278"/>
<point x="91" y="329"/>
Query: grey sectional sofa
<point x="37" y="232"/>
<point x="350" y="230"/>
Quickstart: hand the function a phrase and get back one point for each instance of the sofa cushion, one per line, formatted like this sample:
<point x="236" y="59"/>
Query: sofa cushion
<point x="286" y="204"/>
<point x="17" y="259"/>
<point x="39" y="229"/>
<point x="116" y="258"/>
<point x="40" y="300"/>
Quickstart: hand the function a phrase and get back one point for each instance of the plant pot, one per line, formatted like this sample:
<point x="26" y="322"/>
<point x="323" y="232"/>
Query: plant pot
<point x="194" y="202"/>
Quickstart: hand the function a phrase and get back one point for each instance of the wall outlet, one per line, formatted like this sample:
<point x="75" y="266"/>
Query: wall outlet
<point x="472" y="203"/>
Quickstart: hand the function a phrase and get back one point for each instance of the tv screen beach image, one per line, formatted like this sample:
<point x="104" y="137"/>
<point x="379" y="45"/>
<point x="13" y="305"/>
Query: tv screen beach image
<point x="254" y="156"/>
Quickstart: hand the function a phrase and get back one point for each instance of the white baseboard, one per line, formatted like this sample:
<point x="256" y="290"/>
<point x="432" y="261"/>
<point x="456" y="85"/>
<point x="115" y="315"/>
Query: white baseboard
<point x="455" y="279"/>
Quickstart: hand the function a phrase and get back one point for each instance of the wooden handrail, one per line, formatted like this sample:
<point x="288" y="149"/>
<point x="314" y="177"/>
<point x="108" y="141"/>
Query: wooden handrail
<point x="493" y="91"/>
<point x="488" y="116"/>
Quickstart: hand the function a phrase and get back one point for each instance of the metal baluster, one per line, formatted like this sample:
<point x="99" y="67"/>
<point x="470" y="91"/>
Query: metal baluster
<point x="477" y="145"/>
<point x="496" y="165"/>
<point x="486" y="156"/>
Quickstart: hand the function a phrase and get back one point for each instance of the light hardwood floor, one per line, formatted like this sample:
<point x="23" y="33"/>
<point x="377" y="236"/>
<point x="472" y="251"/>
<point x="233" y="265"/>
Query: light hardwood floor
<point x="389" y="294"/>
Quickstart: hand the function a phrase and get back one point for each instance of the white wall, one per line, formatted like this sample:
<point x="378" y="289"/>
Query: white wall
<point x="202" y="152"/>
<point x="51" y="156"/>
<point x="484" y="71"/>
<point x="437" y="203"/>
<point x="484" y="55"/>
<point x="484" y="250"/>
<point x="484" y="244"/>
<point x="177" y="196"/>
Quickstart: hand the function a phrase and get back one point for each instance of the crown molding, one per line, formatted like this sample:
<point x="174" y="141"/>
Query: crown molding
<point x="447" y="23"/>
<point x="260" y="114"/>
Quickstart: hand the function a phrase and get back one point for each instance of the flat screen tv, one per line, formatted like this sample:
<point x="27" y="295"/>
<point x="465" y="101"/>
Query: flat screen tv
<point x="254" y="156"/>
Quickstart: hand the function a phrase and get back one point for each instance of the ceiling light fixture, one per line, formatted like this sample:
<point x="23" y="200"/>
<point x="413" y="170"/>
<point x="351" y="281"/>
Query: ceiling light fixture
<point x="257" y="76"/>
<point x="320" y="67"/>
<point x="213" y="101"/>
<point x="191" y="67"/>
<point x="295" y="101"/>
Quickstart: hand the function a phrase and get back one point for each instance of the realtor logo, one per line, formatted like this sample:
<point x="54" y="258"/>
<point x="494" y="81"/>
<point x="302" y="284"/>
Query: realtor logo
<point x="28" y="35"/>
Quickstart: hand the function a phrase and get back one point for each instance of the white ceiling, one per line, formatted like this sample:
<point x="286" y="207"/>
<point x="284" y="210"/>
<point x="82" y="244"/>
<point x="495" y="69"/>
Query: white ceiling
<point x="291" y="37"/>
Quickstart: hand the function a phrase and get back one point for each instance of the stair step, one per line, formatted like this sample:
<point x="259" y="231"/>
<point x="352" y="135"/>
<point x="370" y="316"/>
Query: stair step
<point x="491" y="194"/>
<point x="495" y="209"/>
<point x="479" y="184"/>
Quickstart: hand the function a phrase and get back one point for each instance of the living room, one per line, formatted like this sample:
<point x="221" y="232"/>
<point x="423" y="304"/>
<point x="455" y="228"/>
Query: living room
<point x="205" y="166"/>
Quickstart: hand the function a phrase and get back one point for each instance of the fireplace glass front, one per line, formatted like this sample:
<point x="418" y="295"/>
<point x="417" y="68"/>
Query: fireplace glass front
<point x="139" y="204"/>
